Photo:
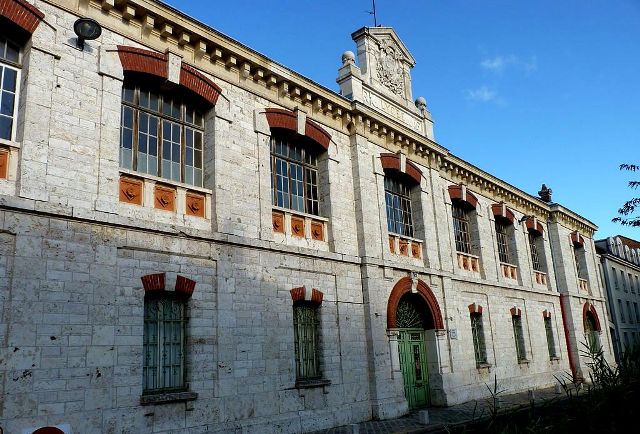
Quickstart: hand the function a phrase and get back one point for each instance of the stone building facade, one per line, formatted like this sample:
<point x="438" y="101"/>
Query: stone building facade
<point x="195" y="238"/>
<point x="620" y="268"/>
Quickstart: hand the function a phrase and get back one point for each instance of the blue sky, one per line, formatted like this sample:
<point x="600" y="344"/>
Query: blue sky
<point x="530" y="91"/>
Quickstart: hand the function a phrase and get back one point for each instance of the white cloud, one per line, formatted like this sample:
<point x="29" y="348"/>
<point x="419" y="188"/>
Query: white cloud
<point x="500" y="63"/>
<point x="482" y="94"/>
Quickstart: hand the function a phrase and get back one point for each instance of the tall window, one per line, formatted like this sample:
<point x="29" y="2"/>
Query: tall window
<point x="621" y="310"/>
<point x="623" y="280"/>
<point x="502" y="236"/>
<point x="534" y="240"/>
<point x="592" y="334"/>
<point x="294" y="174"/>
<point x="615" y="278"/>
<point x="305" y="324"/>
<point x="551" y="342"/>
<point x="398" y="198"/>
<point x="518" y="334"/>
<point x="580" y="260"/>
<point x="9" y="79"/>
<point x="477" y="332"/>
<point x="630" y="312"/>
<point x="461" y="226"/>
<point x="161" y="134"/>
<point x="164" y="344"/>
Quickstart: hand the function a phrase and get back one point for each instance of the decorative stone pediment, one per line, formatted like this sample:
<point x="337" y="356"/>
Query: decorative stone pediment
<point x="385" y="61"/>
<point x="381" y="79"/>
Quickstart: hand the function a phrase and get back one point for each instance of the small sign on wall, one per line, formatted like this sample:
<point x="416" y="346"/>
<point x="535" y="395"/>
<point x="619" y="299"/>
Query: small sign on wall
<point x="453" y="333"/>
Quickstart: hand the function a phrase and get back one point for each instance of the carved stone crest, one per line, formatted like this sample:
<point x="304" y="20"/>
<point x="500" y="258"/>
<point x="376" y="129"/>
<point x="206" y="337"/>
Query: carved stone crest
<point x="389" y="68"/>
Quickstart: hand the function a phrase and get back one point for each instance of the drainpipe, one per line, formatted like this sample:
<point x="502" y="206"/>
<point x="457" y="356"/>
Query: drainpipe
<point x="572" y="364"/>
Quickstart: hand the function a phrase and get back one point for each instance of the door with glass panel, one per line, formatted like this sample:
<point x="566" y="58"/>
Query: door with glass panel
<point x="413" y="363"/>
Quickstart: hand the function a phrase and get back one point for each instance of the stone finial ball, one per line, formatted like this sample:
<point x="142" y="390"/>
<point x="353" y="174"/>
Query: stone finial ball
<point x="348" y="57"/>
<point x="421" y="103"/>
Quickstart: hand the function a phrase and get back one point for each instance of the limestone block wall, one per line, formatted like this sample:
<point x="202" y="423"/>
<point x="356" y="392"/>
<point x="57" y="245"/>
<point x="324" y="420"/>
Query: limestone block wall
<point x="72" y="321"/>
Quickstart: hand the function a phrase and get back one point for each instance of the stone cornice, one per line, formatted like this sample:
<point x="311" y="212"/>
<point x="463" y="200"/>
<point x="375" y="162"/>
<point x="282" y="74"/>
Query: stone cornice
<point x="161" y="27"/>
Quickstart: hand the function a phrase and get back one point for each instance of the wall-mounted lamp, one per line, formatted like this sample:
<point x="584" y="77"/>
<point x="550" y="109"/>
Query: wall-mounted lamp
<point x="86" y="29"/>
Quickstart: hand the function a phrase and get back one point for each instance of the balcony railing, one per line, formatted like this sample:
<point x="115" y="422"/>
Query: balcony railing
<point x="540" y="277"/>
<point x="469" y="262"/>
<point x="405" y="246"/>
<point x="509" y="271"/>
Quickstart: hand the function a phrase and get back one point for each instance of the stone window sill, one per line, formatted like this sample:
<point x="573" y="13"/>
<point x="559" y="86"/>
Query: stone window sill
<point x="554" y="359"/>
<point x="310" y="384"/>
<point x="168" y="397"/>
<point x="524" y="362"/>
<point x="9" y="143"/>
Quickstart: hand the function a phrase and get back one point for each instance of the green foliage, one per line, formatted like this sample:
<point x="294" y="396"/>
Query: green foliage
<point x="629" y="207"/>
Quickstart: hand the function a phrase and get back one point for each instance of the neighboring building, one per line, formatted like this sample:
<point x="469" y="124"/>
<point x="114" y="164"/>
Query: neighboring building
<point x="620" y="268"/>
<point x="195" y="238"/>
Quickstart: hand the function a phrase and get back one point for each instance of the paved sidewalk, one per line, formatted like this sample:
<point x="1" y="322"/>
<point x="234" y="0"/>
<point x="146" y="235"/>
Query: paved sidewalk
<point x="439" y="418"/>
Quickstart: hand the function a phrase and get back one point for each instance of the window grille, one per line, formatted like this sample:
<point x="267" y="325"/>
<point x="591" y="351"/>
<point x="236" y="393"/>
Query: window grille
<point x="478" y="338"/>
<point x="519" y="337"/>
<point x="294" y="176"/>
<point x="535" y="257"/>
<point x="551" y="342"/>
<point x="164" y="345"/>
<point x="161" y="135"/>
<point x="305" y="324"/>
<point x="398" y="198"/>
<point x="461" y="228"/>
<point x="9" y="81"/>
<point x="503" y="241"/>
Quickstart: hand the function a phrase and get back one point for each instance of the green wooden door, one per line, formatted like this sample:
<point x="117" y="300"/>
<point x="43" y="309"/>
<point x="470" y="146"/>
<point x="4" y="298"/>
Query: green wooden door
<point x="413" y="363"/>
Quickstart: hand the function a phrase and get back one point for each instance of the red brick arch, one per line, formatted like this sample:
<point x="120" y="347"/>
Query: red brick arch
<point x="577" y="239"/>
<point x="157" y="64"/>
<point x="501" y="210"/>
<point x="460" y="192"/>
<point x="23" y="14"/>
<point x="287" y="119"/>
<point x="589" y="309"/>
<point x="534" y="225"/>
<point x="404" y="286"/>
<point x="392" y="162"/>
<point x="48" y="430"/>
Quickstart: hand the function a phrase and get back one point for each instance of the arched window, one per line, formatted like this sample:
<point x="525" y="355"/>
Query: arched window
<point x="591" y="332"/>
<point x="294" y="172"/>
<point x="162" y="132"/>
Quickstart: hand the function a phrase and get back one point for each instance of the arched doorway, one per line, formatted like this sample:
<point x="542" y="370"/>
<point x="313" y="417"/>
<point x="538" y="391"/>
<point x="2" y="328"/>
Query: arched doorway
<point x="413" y="313"/>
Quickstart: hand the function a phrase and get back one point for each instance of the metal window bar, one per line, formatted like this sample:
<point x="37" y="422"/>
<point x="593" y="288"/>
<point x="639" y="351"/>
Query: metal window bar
<point x="535" y="257"/>
<point x="398" y="201"/>
<point x="161" y="136"/>
<point x="461" y="228"/>
<point x="519" y="337"/>
<point x="551" y="342"/>
<point x="305" y="326"/>
<point x="294" y="176"/>
<point x="163" y="345"/>
<point x="503" y="241"/>
<point x="477" y="332"/>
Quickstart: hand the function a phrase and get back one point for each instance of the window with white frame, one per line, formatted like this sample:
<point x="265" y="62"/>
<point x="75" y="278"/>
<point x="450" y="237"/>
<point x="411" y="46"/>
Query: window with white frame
<point x="161" y="134"/>
<point x="9" y="84"/>
<point x="294" y="173"/>
<point x="164" y="344"/>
